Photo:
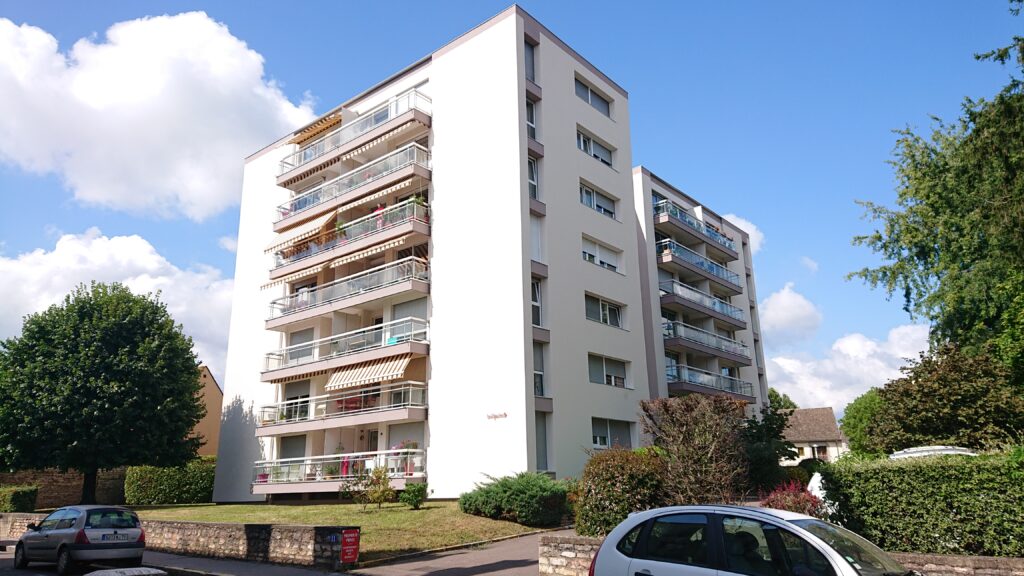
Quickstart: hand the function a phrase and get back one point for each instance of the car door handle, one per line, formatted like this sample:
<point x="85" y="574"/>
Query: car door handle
<point x="642" y="573"/>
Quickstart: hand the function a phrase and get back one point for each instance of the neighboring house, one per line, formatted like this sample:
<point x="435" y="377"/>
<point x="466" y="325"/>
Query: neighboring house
<point x="209" y="427"/>
<point x="815" y="434"/>
<point x="458" y="274"/>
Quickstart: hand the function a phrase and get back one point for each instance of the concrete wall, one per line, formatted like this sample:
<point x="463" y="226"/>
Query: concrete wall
<point x="58" y="489"/>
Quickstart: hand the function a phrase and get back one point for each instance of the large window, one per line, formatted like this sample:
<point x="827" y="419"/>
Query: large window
<point x="606" y="371"/>
<point x="538" y="369"/>
<point x="607" y="433"/>
<point x="531" y="62"/>
<point x="603" y="311"/>
<point x="587" y="94"/>
<point x="595" y="200"/>
<point x="541" y="421"/>
<point x="533" y="178"/>
<point x="680" y="539"/>
<point x="531" y="119"/>
<point x="535" y="303"/>
<point x="593" y="148"/>
<point x="600" y="254"/>
<point x="536" y="238"/>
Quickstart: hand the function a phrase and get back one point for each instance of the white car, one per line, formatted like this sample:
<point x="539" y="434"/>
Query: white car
<point x="719" y="540"/>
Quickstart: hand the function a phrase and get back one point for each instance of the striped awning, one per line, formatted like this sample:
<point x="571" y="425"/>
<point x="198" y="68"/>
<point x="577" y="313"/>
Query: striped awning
<point x="299" y="233"/>
<point x="367" y="372"/>
<point x="316" y="128"/>
<point x="303" y="376"/>
<point x="369" y="252"/>
<point x="307" y="273"/>
<point x="376" y="195"/>
<point x="375" y="141"/>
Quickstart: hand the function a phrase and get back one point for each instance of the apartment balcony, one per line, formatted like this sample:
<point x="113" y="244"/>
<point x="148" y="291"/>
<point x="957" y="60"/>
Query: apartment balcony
<point x="675" y="218"/>
<point x="685" y="338"/>
<point x="332" y="472"/>
<point x="678" y="295"/>
<point x="692" y="266"/>
<point x="405" y="275"/>
<point x="409" y="108"/>
<point x="409" y="218"/>
<point x="395" y="403"/>
<point x="406" y="162"/>
<point x="682" y="378"/>
<point x="399" y="337"/>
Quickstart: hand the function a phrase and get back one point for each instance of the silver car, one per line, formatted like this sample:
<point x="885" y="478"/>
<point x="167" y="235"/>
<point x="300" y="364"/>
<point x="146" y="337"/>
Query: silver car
<point x="76" y="535"/>
<point x="726" y="540"/>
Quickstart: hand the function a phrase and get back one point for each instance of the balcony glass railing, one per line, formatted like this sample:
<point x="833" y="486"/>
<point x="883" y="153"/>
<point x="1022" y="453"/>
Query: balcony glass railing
<point x="402" y="463"/>
<point x="381" y="336"/>
<point x="713" y="268"/>
<point x="692" y="333"/>
<point x="405" y="156"/>
<point x="680" y="373"/>
<point x="351" y="130"/>
<point x="702" y="298"/>
<point x="358" y="229"/>
<point x="679" y="213"/>
<point x="362" y="401"/>
<point x="411" y="268"/>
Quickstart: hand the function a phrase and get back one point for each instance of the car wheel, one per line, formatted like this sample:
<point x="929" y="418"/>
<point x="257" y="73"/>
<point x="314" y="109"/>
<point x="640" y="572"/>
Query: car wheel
<point x="65" y="565"/>
<point x="20" y="561"/>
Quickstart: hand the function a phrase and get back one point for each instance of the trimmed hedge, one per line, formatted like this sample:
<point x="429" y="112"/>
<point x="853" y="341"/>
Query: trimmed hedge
<point x="528" y="498"/>
<point x="940" y="505"/>
<point x="616" y="482"/>
<point x="18" y="498"/>
<point x="798" y="474"/>
<point x="188" y="484"/>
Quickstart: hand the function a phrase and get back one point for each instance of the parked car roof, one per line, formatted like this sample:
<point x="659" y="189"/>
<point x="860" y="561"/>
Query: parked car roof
<point x="725" y="508"/>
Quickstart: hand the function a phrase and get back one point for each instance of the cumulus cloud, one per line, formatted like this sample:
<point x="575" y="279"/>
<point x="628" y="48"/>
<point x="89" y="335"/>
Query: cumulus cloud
<point x="156" y="118"/>
<point x="854" y="364"/>
<point x="787" y="317"/>
<point x="809" y="263"/>
<point x="199" y="299"/>
<point x="756" y="236"/>
<point x="229" y="243"/>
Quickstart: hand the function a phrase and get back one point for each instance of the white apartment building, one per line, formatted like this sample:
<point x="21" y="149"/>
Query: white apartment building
<point x="453" y="275"/>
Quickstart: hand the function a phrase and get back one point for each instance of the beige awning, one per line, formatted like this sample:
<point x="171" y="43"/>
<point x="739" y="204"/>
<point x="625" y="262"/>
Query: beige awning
<point x="299" y="233"/>
<point x="296" y="378"/>
<point x="369" y="252"/>
<point x="376" y="195"/>
<point x="367" y="372"/>
<point x="375" y="141"/>
<point x="316" y="128"/>
<point x="307" y="273"/>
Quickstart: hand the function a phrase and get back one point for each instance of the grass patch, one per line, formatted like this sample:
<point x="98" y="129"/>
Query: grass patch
<point x="393" y="530"/>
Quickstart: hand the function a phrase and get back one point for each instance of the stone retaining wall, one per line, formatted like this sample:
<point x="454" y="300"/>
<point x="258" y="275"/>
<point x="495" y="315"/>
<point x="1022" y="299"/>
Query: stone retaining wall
<point x="571" y="555"/>
<point x="58" y="489"/>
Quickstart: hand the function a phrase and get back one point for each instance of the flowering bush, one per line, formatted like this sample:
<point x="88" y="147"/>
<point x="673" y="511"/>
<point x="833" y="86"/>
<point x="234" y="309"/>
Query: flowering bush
<point x="616" y="482"/>
<point x="793" y="497"/>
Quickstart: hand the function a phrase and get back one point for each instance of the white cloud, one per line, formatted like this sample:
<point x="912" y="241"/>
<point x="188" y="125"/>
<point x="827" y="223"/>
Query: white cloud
<point x="809" y="263"/>
<point x="756" y="236"/>
<point x="199" y="299"/>
<point x="854" y="364"/>
<point x="157" y="118"/>
<point x="787" y="316"/>
<point x="229" y="243"/>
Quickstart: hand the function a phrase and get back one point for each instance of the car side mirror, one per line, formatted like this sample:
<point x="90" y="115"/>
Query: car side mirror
<point x="32" y="527"/>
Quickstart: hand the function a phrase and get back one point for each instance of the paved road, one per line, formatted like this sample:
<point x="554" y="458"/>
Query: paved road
<point x="7" y="567"/>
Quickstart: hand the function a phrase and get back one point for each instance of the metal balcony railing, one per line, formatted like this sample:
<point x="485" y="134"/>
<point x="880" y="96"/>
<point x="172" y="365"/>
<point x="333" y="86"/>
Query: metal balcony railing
<point x="702" y="298"/>
<point x="412" y="154"/>
<point x="400" y="463"/>
<point x="381" y="336"/>
<point x="681" y="373"/>
<point x="351" y="130"/>
<point x="692" y="333"/>
<point x="361" y="401"/>
<point x="713" y="268"/>
<point x="680" y="213"/>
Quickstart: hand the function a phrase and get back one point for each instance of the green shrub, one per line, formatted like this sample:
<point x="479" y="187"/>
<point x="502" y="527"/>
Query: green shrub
<point x="528" y="498"/>
<point x="18" y="498"/>
<point x="940" y="505"/>
<point x="188" y="484"/>
<point x="794" y="497"/>
<point x="572" y="494"/>
<point x="414" y="495"/>
<point x="811" y="465"/>
<point x="616" y="482"/>
<point x="798" y="474"/>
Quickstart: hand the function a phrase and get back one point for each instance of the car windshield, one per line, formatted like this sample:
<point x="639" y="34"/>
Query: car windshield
<point x="111" y="518"/>
<point x="866" y="558"/>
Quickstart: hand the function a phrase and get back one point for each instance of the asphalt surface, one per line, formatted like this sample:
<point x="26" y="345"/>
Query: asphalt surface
<point x="7" y="566"/>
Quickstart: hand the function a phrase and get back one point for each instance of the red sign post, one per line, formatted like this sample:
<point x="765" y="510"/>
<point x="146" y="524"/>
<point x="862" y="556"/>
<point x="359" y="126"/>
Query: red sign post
<point x="350" y="545"/>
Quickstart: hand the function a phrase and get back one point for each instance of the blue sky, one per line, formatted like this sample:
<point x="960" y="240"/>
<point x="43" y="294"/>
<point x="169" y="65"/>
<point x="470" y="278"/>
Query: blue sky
<point x="780" y="113"/>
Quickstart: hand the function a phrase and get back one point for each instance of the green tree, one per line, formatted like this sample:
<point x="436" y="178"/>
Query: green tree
<point x="780" y="400"/>
<point x="855" y="420"/>
<point x="948" y="397"/>
<point x="766" y="446"/>
<point x="106" y="379"/>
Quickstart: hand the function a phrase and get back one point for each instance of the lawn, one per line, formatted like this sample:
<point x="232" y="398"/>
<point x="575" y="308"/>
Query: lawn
<point x="395" y="529"/>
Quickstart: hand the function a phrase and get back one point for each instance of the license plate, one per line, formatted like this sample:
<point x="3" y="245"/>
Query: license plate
<point x="114" y="537"/>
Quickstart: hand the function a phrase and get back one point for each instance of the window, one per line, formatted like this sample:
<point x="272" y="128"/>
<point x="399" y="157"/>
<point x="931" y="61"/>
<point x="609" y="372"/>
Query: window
<point x="538" y="369"/>
<point x="68" y="520"/>
<point x="111" y="518"/>
<point x="593" y="148"/>
<point x="536" y="238"/>
<point x="680" y="539"/>
<point x="602" y="311"/>
<point x="531" y="178"/>
<point x="296" y="339"/>
<point x="535" y="303"/>
<point x="756" y="549"/>
<point x="531" y="66"/>
<point x="599" y="202"/>
<point x="606" y="371"/>
<point x="587" y="94"/>
<point x="600" y="254"/>
<point x="606" y="433"/>
<point x="628" y="543"/>
<point x="541" y="423"/>
<point x="531" y="119"/>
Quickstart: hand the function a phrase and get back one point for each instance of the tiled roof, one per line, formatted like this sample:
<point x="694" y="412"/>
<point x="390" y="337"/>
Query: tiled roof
<point x="813" y="424"/>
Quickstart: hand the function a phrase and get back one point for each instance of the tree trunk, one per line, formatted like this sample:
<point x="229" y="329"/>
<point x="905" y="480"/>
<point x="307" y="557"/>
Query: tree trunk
<point x="88" y="487"/>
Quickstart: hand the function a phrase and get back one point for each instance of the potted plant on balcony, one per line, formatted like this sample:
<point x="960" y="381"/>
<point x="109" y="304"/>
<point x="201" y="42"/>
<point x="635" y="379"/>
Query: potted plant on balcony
<point x="331" y="471"/>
